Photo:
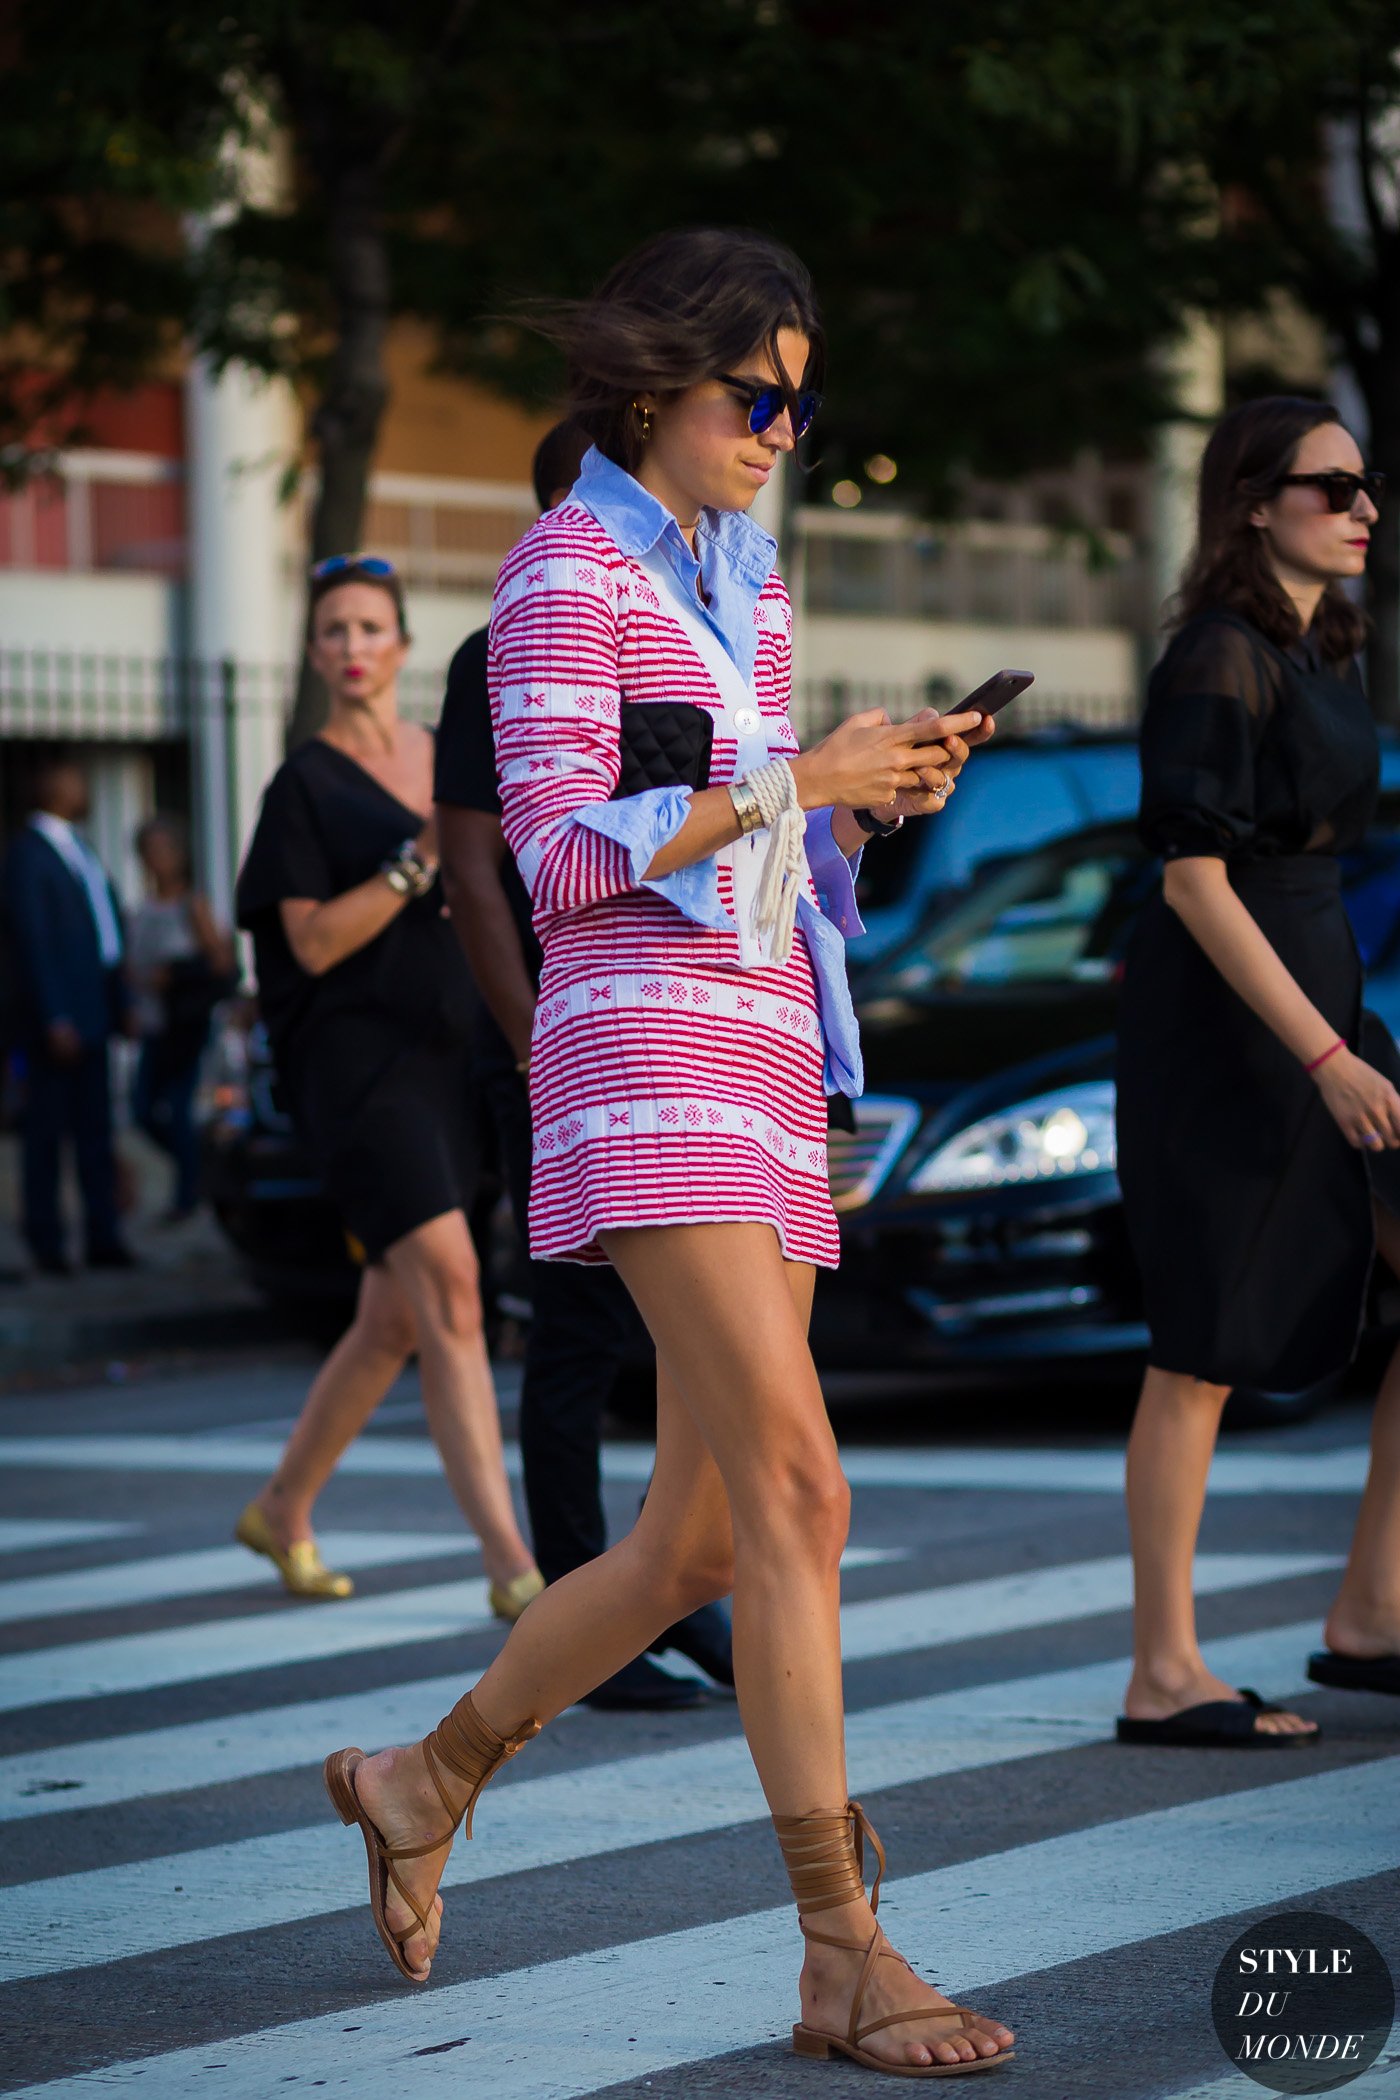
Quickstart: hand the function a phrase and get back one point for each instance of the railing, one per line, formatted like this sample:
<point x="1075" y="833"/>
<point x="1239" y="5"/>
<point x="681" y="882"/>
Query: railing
<point x="126" y="511"/>
<point x="53" y="695"/>
<point x="97" y="510"/>
<point x="446" y="534"/>
<point x="975" y="572"/>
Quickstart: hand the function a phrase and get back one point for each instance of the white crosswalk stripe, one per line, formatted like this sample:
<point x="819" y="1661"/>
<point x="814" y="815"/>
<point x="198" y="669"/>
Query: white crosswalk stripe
<point x="113" y="1769"/>
<point x="31" y="1534"/>
<point x="666" y="1999"/>
<point x="186" y="1654"/>
<point x="1113" y="1885"/>
<point x="1381" y="2082"/>
<point x="76" y="1920"/>
<point x="170" y="1576"/>
<point x="1088" y="1472"/>
<point x="921" y="1619"/>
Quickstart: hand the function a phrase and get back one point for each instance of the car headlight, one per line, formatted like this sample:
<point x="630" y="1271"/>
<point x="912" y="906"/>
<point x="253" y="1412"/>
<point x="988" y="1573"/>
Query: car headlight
<point x="1045" y="1139"/>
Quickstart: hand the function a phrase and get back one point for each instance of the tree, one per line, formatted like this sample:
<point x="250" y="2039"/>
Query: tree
<point x="402" y="140"/>
<point x="1257" y="151"/>
<point x="1007" y="210"/>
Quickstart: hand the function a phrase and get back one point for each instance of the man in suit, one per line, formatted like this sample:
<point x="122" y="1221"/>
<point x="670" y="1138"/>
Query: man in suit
<point x="69" y="999"/>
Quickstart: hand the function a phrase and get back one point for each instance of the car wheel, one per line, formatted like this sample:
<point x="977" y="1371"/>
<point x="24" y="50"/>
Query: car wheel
<point x="1247" y="1409"/>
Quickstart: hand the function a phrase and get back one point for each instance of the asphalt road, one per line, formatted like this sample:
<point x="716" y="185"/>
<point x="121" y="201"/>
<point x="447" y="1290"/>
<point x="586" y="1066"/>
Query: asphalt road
<point x="181" y="1913"/>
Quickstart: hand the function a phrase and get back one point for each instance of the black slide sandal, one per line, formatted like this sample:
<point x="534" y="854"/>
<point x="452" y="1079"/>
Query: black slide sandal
<point x="1356" y="1673"/>
<point x="1218" y="1724"/>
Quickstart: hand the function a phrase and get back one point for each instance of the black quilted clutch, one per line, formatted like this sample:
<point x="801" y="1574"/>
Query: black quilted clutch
<point x="664" y="743"/>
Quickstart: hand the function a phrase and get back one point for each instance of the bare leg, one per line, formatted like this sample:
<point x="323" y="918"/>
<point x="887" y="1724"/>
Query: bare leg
<point x="1169" y="1454"/>
<point x="728" y="1318"/>
<point x="435" y="1268"/>
<point x="344" y="1394"/>
<point x="582" y="1629"/>
<point x="1365" y="1619"/>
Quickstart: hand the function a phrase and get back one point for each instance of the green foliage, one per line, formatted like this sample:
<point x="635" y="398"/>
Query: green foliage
<point x="1008" y="207"/>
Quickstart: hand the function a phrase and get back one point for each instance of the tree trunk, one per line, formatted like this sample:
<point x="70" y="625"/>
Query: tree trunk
<point x="346" y="423"/>
<point x="1383" y="565"/>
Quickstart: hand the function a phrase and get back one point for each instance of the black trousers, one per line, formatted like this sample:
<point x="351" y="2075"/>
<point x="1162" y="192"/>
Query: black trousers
<point x="583" y="1323"/>
<point x="68" y="1103"/>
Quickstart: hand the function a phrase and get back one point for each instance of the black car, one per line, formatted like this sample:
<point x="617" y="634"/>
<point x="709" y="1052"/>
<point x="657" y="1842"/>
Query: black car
<point x="981" y="1222"/>
<point x="978" y="1197"/>
<point x="262" y="1187"/>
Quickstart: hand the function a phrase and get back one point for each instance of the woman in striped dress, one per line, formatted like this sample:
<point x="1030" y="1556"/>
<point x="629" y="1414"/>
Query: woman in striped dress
<point x="693" y="1018"/>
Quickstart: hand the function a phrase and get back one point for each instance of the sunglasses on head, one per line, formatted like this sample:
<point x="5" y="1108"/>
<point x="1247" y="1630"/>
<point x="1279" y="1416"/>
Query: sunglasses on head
<point x="367" y="564"/>
<point x="765" y="403"/>
<point x="1340" y="487"/>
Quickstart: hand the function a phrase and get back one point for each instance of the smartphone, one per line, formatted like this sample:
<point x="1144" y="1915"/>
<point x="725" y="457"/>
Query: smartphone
<point x="997" y="693"/>
<point x="989" y="699"/>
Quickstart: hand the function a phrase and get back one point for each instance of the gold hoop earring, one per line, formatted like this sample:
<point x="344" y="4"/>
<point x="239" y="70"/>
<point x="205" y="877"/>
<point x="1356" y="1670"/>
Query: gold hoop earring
<point x="644" y="415"/>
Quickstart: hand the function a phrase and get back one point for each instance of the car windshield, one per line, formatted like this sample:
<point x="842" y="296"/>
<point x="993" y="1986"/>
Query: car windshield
<point x="1059" y="914"/>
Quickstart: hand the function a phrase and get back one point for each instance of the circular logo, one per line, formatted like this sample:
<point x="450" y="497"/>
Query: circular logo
<point x="1303" y="2002"/>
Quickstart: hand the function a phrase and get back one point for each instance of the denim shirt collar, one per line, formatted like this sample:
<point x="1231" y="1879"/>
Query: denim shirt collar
<point x="735" y="555"/>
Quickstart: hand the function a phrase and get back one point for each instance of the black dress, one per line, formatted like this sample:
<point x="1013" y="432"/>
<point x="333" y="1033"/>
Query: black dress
<point x="1249" y="1212"/>
<point x="374" y="1053"/>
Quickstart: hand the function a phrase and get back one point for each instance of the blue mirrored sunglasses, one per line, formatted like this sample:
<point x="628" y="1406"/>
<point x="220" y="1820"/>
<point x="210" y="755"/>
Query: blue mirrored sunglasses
<point x="765" y="403"/>
<point x="367" y="564"/>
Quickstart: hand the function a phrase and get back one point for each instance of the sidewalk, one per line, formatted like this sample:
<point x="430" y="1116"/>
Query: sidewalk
<point x="189" y="1293"/>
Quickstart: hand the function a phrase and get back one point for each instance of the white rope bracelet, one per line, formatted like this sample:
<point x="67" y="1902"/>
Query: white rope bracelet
<point x="784" y="872"/>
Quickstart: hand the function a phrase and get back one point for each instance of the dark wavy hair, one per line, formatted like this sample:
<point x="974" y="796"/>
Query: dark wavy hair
<point x="1250" y="451"/>
<point x="680" y="309"/>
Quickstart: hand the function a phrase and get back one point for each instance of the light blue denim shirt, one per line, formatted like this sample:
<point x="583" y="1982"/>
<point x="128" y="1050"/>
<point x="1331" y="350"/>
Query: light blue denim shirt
<point x="734" y="561"/>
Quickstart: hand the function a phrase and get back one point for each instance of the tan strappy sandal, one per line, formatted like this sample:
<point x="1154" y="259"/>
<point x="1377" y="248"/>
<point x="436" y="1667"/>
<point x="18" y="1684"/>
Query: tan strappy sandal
<point x="825" y="1857"/>
<point x="472" y="1752"/>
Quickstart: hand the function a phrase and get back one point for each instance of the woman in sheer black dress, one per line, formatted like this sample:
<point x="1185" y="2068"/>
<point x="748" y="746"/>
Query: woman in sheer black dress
<point x="1255" y="1128"/>
<point x="367" y="1002"/>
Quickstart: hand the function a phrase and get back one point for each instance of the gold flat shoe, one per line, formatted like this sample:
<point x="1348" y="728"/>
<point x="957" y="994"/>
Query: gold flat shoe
<point x="509" y="1599"/>
<point x="301" y="1567"/>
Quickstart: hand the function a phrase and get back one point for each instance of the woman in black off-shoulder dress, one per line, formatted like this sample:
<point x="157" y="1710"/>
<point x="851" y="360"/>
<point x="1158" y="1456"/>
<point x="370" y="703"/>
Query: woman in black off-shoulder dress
<point x="368" y="1003"/>
<point x="1257" y="1114"/>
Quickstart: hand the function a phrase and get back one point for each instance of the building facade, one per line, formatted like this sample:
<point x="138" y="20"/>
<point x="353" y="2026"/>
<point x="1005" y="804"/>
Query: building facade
<point x="151" y="589"/>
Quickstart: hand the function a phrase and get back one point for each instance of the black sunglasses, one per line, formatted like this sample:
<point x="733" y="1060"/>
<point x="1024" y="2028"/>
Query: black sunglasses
<point x="766" y="402"/>
<point x="367" y="564"/>
<point x="1340" y="487"/>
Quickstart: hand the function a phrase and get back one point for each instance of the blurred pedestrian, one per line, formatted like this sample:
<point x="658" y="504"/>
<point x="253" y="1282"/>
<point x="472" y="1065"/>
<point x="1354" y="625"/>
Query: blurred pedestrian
<point x="70" y="999"/>
<point x="582" y="1320"/>
<point x="1252" y="1091"/>
<point x="366" y="1000"/>
<point x="693" y="1009"/>
<point x="181" y="964"/>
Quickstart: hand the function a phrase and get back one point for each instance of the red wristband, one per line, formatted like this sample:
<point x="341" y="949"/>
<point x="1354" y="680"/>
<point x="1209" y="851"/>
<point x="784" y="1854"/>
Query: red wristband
<point x="1330" y="1051"/>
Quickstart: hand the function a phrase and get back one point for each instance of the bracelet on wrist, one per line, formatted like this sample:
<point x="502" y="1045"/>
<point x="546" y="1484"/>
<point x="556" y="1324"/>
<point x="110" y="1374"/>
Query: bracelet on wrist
<point x="747" y="807"/>
<point x="407" y="873"/>
<point x="1330" y="1051"/>
<point x="876" y="827"/>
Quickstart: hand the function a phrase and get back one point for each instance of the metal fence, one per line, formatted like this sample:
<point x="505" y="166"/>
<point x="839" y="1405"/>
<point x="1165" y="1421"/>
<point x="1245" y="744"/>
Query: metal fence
<point x="99" y="510"/>
<point x="974" y="572"/>
<point x="53" y="696"/>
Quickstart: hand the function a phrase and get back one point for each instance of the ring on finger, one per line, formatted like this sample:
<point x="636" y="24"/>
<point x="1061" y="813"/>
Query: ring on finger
<point x="941" y="790"/>
<point x="1371" y="1138"/>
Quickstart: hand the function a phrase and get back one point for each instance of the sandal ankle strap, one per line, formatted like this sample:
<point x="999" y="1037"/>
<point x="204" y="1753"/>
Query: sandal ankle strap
<point x="824" y="1852"/>
<point x="472" y="1752"/>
